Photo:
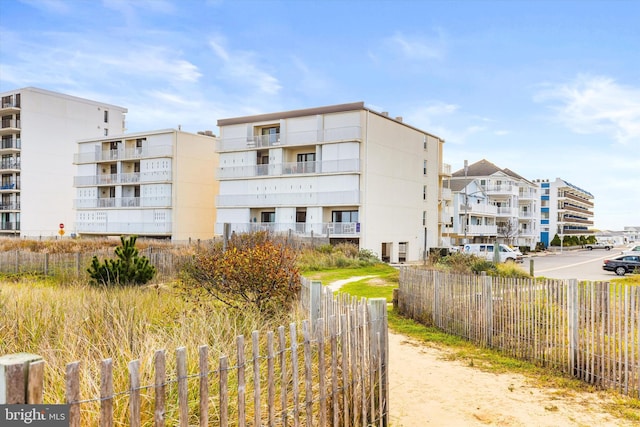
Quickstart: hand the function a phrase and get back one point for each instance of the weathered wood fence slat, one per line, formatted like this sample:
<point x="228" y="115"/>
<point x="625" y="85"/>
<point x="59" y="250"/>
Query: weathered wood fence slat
<point x="335" y="375"/>
<point x="590" y="330"/>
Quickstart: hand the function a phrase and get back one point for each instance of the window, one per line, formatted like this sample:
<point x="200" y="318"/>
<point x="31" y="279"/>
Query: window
<point x="424" y="142"/>
<point x="344" y="216"/>
<point x="270" y="135"/>
<point x="424" y="168"/>
<point x="106" y="132"/>
<point x="267" y="217"/>
<point x="106" y="116"/>
<point x="306" y="157"/>
<point x="424" y="192"/>
<point x="424" y="218"/>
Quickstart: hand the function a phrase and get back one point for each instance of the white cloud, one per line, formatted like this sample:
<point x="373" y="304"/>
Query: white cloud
<point x="417" y="48"/>
<point x="596" y="104"/>
<point x="243" y="68"/>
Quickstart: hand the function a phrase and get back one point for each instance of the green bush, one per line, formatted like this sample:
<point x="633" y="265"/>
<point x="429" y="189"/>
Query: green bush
<point x="127" y="269"/>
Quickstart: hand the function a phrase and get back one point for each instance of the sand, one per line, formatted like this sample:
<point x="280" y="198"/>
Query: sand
<point x="426" y="389"/>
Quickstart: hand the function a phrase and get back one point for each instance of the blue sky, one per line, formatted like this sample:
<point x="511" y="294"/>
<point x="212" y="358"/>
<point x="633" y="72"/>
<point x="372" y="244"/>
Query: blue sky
<point x="547" y="88"/>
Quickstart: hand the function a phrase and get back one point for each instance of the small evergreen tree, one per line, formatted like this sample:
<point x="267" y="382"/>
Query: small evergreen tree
<point x="555" y="241"/>
<point x="127" y="269"/>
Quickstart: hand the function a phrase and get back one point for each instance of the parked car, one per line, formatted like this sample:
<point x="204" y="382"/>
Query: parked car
<point x="623" y="264"/>
<point x="599" y="245"/>
<point x="485" y="250"/>
<point x="633" y="250"/>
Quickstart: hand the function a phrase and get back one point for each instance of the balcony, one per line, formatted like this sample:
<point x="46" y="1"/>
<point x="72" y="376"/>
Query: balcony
<point x="124" y="202"/>
<point x="507" y="211"/>
<point x="573" y="208"/>
<point x="350" y="133"/>
<point x="10" y="107"/>
<point x="9" y="226"/>
<point x="479" y="209"/>
<point x="445" y="169"/>
<point x="332" y="229"/>
<point x="528" y="194"/>
<point x="501" y="189"/>
<point x="11" y="144"/>
<point x="139" y="228"/>
<point x="10" y="164"/>
<point x="9" y="126"/>
<point x="580" y="200"/>
<point x="9" y="186"/>
<point x="295" y="168"/>
<point x="10" y="206"/>
<point x="328" y="198"/>
<point x="123" y="154"/>
<point x="445" y="194"/>
<point x="482" y="230"/>
<point x="121" y="178"/>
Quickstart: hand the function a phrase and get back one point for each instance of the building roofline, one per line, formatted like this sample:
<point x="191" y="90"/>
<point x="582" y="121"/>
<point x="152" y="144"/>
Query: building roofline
<point x="338" y="108"/>
<point x="63" y="95"/>
<point x="139" y="134"/>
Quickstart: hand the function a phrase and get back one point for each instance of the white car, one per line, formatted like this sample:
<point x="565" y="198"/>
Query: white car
<point x="633" y="250"/>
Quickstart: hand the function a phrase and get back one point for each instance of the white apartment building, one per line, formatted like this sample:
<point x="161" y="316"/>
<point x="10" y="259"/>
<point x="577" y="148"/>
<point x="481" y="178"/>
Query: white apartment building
<point x="566" y="209"/>
<point x="515" y="199"/>
<point x="158" y="184"/>
<point x="39" y="132"/>
<point x="342" y="171"/>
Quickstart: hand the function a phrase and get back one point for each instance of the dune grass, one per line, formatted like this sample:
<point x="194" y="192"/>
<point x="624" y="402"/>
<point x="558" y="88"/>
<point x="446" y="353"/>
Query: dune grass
<point x="64" y="324"/>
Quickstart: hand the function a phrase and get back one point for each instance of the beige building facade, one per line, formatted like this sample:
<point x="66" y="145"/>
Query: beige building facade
<point x="343" y="171"/>
<point x="157" y="184"/>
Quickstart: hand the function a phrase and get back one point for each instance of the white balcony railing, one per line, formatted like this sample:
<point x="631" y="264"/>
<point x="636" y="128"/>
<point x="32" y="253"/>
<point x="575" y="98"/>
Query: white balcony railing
<point x="350" y="133"/>
<point x="445" y="169"/>
<point x="11" y="143"/>
<point x="122" y="178"/>
<point x="485" y="230"/>
<point x="479" y="208"/>
<point x="328" y="198"/>
<point x="124" y="202"/>
<point x="300" y="228"/>
<point x="507" y="211"/>
<point x="294" y="168"/>
<point x="123" y="227"/>
<point x="446" y="194"/>
<point x="123" y="154"/>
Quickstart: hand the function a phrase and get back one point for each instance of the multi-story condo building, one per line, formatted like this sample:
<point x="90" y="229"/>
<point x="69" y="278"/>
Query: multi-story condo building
<point x="472" y="215"/>
<point x="565" y="210"/>
<point x="516" y="202"/>
<point x="342" y="171"/>
<point x="157" y="184"/>
<point x="39" y="132"/>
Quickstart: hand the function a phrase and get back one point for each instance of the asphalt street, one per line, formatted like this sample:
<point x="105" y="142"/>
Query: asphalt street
<point x="578" y="264"/>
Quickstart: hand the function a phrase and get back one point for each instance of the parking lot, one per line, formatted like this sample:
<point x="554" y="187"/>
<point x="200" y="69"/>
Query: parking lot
<point x="578" y="264"/>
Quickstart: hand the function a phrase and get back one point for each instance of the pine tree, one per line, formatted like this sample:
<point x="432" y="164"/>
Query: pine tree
<point x="127" y="269"/>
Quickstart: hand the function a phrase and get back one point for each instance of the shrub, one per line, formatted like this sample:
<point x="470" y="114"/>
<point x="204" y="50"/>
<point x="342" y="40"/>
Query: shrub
<point x="253" y="270"/>
<point x="479" y="265"/>
<point x="127" y="269"/>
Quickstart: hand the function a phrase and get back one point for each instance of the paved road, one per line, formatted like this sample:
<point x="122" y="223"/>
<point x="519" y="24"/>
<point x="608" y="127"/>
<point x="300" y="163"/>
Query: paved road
<point x="575" y="264"/>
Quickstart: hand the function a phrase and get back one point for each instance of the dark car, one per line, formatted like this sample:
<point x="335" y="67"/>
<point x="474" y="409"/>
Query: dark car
<point x="623" y="264"/>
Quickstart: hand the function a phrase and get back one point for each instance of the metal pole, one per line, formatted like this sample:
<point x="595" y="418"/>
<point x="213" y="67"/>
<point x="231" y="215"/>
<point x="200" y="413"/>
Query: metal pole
<point x="466" y="213"/>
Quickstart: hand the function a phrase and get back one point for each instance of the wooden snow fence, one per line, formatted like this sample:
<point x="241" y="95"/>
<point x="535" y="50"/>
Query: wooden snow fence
<point x="590" y="330"/>
<point x="330" y="371"/>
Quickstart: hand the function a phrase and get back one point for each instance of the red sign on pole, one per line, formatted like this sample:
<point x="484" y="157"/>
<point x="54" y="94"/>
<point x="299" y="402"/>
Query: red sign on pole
<point x="61" y="225"/>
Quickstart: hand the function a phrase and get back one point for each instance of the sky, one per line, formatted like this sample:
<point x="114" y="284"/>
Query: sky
<point x="548" y="89"/>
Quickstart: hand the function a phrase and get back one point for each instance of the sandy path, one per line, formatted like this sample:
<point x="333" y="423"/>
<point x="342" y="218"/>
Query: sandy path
<point x="428" y="390"/>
